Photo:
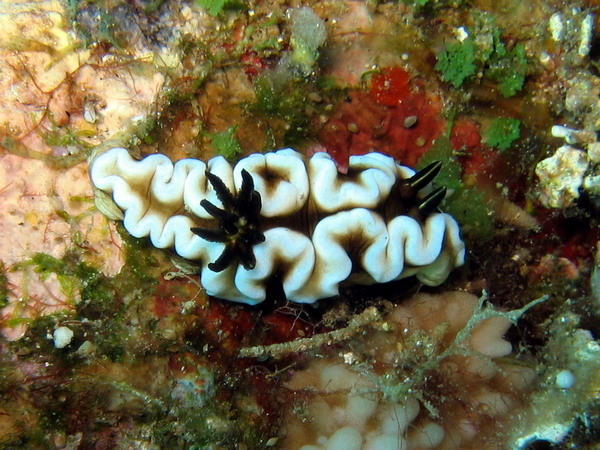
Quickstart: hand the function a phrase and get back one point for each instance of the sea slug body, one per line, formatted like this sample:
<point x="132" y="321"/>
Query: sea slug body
<point x="314" y="228"/>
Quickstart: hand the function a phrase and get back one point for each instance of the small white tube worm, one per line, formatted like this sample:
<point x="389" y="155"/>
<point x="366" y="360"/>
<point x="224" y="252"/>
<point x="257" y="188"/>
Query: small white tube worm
<point x="317" y="228"/>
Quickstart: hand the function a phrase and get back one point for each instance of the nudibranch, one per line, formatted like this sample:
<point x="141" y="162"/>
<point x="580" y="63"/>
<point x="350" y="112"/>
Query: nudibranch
<point x="285" y="215"/>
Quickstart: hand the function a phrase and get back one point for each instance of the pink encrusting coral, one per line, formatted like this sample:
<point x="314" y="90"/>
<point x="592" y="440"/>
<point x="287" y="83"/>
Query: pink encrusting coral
<point x="434" y="374"/>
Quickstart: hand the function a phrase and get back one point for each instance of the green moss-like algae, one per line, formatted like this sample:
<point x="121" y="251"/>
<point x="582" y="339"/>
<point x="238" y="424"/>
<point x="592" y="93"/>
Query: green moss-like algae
<point x="466" y="203"/>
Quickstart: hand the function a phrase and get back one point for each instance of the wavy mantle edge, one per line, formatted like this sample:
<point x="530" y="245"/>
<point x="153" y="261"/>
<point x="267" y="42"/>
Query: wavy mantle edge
<point x="160" y="199"/>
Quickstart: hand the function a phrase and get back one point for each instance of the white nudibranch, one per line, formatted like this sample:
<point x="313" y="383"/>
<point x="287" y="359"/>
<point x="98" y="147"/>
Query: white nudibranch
<point x="286" y="215"/>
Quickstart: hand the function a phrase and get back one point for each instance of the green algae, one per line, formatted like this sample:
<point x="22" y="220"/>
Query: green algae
<point x="466" y="204"/>
<point x="103" y="29"/>
<point x="483" y="51"/>
<point x="101" y="318"/>
<point x="502" y="132"/>
<point x="433" y="5"/>
<point x="100" y="304"/>
<point x="216" y="7"/>
<point x="65" y="136"/>
<point x="15" y="147"/>
<point x="226" y="144"/>
<point x="4" y="291"/>
<point x="457" y="62"/>
<point x="509" y="70"/>
<point x="284" y="101"/>
<point x="45" y="265"/>
<point x="450" y="173"/>
<point x="470" y="208"/>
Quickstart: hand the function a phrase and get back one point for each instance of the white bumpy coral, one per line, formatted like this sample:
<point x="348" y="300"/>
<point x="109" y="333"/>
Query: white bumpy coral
<point x="320" y="227"/>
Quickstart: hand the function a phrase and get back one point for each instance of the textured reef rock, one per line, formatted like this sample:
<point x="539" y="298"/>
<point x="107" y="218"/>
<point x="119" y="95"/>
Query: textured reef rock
<point x="571" y="169"/>
<point x="561" y="176"/>
<point x="435" y="373"/>
<point x="372" y="225"/>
